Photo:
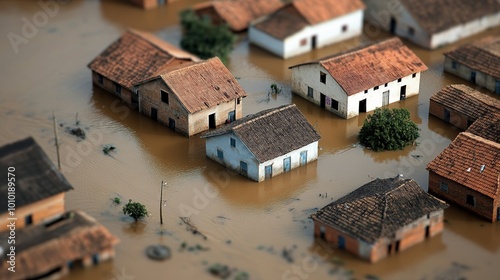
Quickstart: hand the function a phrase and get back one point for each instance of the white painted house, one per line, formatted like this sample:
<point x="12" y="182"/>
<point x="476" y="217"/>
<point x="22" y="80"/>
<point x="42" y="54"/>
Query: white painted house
<point x="360" y="80"/>
<point x="265" y="144"/>
<point x="304" y="25"/>
<point x="433" y="23"/>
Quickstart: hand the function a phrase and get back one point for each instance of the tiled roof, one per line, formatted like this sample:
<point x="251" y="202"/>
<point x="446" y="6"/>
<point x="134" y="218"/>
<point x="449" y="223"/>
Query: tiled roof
<point x="366" y="67"/>
<point x="203" y="85"/>
<point x="239" y="13"/>
<point x="379" y="208"/>
<point x="44" y="247"/>
<point x="137" y="56"/>
<point x="482" y="55"/>
<point x="471" y="161"/>
<point x="271" y="133"/>
<point x="301" y="13"/>
<point x="487" y="127"/>
<point x="466" y="100"/>
<point x="438" y="15"/>
<point x="36" y="176"/>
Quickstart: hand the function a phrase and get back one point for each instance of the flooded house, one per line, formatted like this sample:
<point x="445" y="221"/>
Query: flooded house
<point x="477" y="62"/>
<point x="381" y="218"/>
<point x="487" y="127"/>
<point x="133" y="58"/>
<point x="432" y="24"/>
<point x="304" y="25"/>
<point x="461" y="105"/>
<point x="265" y="144"/>
<point x="237" y="14"/>
<point x="31" y="187"/>
<point x="194" y="98"/>
<point x="360" y="80"/>
<point x="49" y="251"/>
<point x="467" y="173"/>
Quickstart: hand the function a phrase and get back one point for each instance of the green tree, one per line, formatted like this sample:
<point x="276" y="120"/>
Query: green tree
<point x="135" y="210"/>
<point x="388" y="130"/>
<point x="205" y="39"/>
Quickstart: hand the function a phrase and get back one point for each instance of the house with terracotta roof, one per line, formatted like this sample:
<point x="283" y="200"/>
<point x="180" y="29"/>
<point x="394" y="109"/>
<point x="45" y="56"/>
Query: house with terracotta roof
<point x="304" y="25"/>
<point x="381" y="218"/>
<point x="237" y="14"/>
<point x="31" y="187"/>
<point x="467" y="173"/>
<point x="360" y="80"/>
<point x="430" y="23"/>
<point x="194" y="98"/>
<point x="132" y="58"/>
<point x="477" y="62"/>
<point x="461" y="105"/>
<point x="487" y="127"/>
<point x="49" y="251"/>
<point x="265" y="144"/>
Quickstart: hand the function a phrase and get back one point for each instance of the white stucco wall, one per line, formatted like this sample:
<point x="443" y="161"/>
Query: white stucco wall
<point x="326" y="33"/>
<point x="256" y="170"/>
<point x="198" y="122"/>
<point x="308" y="75"/>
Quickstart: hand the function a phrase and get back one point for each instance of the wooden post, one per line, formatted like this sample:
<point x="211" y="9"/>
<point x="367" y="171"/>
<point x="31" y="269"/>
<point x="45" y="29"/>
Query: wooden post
<point x="161" y="203"/>
<point x="57" y="141"/>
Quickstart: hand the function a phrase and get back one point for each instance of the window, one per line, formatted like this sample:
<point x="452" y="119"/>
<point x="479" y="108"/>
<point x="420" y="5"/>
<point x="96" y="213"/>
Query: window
<point x="411" y="31"/>
<point x="366" y="91"/>
<point x="454" y="65"/>
<point x="471" y="200"/>
<point x="399" y="80"/>
<point x="233" y="142"/>
<point x="243" y="168"/>
<point x="322" y="77"/>
<point x="118" y="88"/>
<point x="164" y="96"/>
<point x="335" y="104"/>
<point x="375" y="88"/>
<point x="238" y="101"/>
<point x="345" y="28"/>
<point x="443" y="186"/>
<point x="100" y="79"/>
<point x="310" y="92"/>
<point x="414" y="75"/>
<point x="386" y="84"/>
<point x="303" y="42"/>
<point x="220" y="154"/>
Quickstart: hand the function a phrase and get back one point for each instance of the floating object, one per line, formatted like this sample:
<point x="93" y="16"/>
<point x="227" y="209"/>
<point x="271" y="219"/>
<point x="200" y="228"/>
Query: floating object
<point x="158" y="252"/>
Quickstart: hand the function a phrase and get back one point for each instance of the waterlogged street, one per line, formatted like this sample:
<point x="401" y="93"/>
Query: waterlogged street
<point x="262" y="229"/>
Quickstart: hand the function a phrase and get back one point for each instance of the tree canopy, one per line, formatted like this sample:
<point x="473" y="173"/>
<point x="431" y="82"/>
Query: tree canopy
<point x="388" y="129"/>
<point x="204" y="39"/>
<point x="135" y="210"/>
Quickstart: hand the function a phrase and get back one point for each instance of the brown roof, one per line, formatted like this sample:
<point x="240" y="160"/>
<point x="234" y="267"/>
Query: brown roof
<point x="379" y="208"/>
<point x="438" y="15"/>
<point x="239" y="13"/>
<point x="366" y="67"/>
<point x="466" y="100"/>
<point x="301" y="13"/>
<point x="471" y="161"/>
<point x="487" y="127"/>
<point x="137" y="56"/>
<point x="482" y="55"/>
<point x="269" y="133"/>
<point x="203" y="85"/>
<point x="36" y="176"/>
<point x="45" y="247"/>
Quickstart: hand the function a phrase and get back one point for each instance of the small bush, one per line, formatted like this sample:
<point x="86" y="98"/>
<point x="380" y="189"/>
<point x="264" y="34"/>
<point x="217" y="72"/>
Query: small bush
<point x="135" y="210"/>
<point x="117" y="200"/>
<point x="388" y="130"/>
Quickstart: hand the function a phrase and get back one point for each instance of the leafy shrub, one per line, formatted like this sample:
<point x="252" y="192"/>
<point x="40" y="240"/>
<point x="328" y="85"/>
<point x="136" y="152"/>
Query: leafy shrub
<point x="388" y="130"/>
<point x="135" y="210"/>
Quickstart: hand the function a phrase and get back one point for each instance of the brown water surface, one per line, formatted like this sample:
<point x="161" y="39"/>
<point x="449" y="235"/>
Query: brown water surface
<point x="248" y="224"/>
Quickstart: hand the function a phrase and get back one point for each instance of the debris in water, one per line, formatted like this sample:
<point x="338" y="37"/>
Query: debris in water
<point x="158" y="252"/>
<point x="108" y="148"/>
<point x="192" y="228"/>
<point x="76" y="131"/>
<point x="219" y="270"/>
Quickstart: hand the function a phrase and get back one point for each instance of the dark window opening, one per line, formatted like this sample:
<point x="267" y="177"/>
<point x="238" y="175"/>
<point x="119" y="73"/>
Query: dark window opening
<point x="427" y="232"/>
<point x="375" y="88"/>
<point x="473" y="77"/>
<point x="397" y="246"/>
<point x="211" y="121"/>
<point x="95" y="259"/>
<point x="28" y="220"/>
<point x="345" y="28"/>
<point x="100" y="79"/>
<point x="164" y="96"/>
<point x="310" y="92"/>
<point x="399" y="80"/>
<point x="386" y="84"/>
<point x="414" y="75"/>
<point x="335" y="104"/>
<point x="471" y="200"/>
<point x="238" y="101"/>
<point x="220" y="154"/>
<point x="233" y="142"/>
<point x="322" y="232"/>
<point x="118" y="88"/>
<point x="454" y="65"/>
<point x="443" y="186"/>
<point x="366" y="91"/>
<point x="303" y="42"/>
<point x="411" y="31"/>
<point x="243" y="168"/>
<point x="322" y="77"/>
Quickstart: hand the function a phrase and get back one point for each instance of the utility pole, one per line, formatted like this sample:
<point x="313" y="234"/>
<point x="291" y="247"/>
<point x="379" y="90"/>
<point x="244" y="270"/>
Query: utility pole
<point x="57" y="141"/>
<point x="161" y="202"/>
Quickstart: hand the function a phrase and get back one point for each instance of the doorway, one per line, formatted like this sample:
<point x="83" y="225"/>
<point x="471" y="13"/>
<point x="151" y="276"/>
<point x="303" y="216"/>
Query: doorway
<point x="287" y="164"/>
<point x="362" y="106"/>
<point x="397" y="246"/>
<point x="322" y="232"/>
<point x="303" y="158"/>
<point x="313" y="42"/>
<point x="154" y="114"/>
<point x="28" y="220"/>
<point x="385" y="98"/>
<point x="473" y="77"/>
<point x="211" y="121"/>
<point x="243" y="168"/>
<point x="392" y="26"/>
<point x="498" y="214"/>
<point x="389" y="249"/>
<point x="171" y="123"/>
<point x="341" y="242"/>
<point x="447" y="115"/>
<point x="497" y="87"/>
<point x="268" y="171"/>
<point x="322" y="100"/>
<point x="427" y="231"/>
<point x="231" y="116"/>
<point x="402" y="93"/>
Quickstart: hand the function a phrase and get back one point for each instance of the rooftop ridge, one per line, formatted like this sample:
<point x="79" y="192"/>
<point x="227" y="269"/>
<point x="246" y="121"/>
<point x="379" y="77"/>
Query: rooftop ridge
<point x="361" y="48"/>
<point x="271" y="112"/>
<point x="481" y="139"/>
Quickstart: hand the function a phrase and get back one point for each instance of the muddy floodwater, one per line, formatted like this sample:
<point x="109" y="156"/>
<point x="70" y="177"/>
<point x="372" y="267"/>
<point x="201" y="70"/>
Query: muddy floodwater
<point x="248" y="225"/>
